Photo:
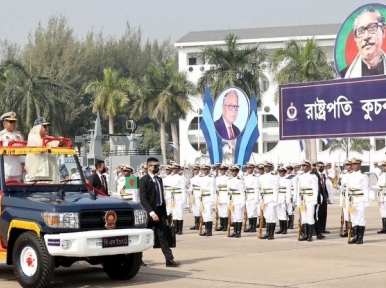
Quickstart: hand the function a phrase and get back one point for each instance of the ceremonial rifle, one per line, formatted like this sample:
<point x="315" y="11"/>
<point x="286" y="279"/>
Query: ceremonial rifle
<point x="261" y="220"/>
<point x="300" y="218"/>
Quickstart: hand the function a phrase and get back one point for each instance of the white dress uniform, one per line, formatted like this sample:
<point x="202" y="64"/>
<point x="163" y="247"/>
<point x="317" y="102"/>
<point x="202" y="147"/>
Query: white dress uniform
<point x="307" y="196"/>
<point x="12" y="164"/>
<point x="196" y="194"/>
<point x="358" y="184"/>
<point x="380" y="187"/>
<point x="222" y="195"/>
<point x="284" y="198"/>
<point x="294" y="187"/>
<point x="75" y="176"/>
<point x="358" y="191"/>
<point x="236" y="191"/>
<point x="252" y="195"/>
<point x="268" y="189"/>
<point x="207" y="186"/>
<point x="167" y="182"/>
<point x="344" y="193"/>
<point x="178" y="184"/>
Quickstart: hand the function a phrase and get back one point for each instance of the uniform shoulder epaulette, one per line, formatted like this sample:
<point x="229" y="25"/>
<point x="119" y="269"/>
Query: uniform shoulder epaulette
<point x="16" y="131"/>
<point x="272" y="173"/>
<point x="2" y="132"/>
<point x="202" y="175"/>
<point x="211" y="176"/>
<point x="238" y="177"/>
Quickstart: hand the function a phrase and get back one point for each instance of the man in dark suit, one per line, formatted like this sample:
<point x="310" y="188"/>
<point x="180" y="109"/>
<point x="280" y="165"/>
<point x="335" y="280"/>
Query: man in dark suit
<point x="98" y="180"/>
<point x="224" y="125"/>
<point x="152" y="199"/>
<point x="321" y="219"/>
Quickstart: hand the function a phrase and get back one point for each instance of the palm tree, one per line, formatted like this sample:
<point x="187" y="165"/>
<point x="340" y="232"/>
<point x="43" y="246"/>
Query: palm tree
<point x="233" y="66"/>
<point x="163" y="95"/>
<point x="296" y="63"/>
<point x="32" y="96"/>
<point x="350" y="144"/>
<point x="111" y="95"/>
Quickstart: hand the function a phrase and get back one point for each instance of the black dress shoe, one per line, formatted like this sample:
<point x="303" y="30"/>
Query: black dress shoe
<point x="172" y="263"/>
<point x="143" y="264"/>
<point x="320" y="236"/>
<point x="325" y="232"/>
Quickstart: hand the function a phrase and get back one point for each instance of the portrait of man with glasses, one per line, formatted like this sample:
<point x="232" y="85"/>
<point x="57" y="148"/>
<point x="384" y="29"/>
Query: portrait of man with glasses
<point x="230" y="108"/>
<point x="369" y="32"/>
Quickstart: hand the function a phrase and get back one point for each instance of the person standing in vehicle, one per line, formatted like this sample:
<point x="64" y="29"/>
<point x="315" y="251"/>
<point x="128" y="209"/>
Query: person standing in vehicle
<point x="12" y="164"/>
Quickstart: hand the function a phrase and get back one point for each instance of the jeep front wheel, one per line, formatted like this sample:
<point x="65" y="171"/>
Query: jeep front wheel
<point x="122" y="267"/>
<point x="33" y="265"/>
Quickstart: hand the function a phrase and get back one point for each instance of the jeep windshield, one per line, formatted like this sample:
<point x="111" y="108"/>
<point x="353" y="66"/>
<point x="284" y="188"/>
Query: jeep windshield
<point x="56" y="166"/>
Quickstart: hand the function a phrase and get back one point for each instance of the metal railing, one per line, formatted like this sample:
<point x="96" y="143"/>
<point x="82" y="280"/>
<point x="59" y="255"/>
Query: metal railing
<point x="135" y="152"/>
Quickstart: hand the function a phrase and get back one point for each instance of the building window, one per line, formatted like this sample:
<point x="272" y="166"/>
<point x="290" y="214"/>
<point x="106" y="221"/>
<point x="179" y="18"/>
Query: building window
<point x="194" y="124"/>
<point x="270" y="121"/>
<point x="270" y="146"/>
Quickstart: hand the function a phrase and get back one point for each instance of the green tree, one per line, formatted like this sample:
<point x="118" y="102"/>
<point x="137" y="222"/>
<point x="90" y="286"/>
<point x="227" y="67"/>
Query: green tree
<point x="298" y="63"/>
<point x="111" y="95"/>
<point x="163" y="95"/>
<point x="32" y="96"/>
<point x="234" y="65"/>
<point x="348" y="145"/>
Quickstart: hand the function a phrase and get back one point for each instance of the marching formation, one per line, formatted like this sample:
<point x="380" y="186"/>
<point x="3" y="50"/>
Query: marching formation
<point x="257" y="197"/>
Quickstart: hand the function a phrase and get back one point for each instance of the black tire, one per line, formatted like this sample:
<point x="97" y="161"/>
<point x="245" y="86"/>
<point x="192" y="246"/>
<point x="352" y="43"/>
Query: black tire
<point x="30" y="247"/>
<point x="122" y="267"/>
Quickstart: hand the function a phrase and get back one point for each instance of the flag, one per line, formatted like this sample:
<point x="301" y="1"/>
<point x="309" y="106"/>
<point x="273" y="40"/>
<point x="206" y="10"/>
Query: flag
<point x="132" y="183"/>
<point x="63" y="171"/>
<point x="326" y="140"/>
<point x="302" y="145"/>
<point x="172" y="146"/>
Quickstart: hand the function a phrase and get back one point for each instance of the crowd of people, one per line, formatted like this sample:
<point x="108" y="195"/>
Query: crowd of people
<point x="254" y="197"/>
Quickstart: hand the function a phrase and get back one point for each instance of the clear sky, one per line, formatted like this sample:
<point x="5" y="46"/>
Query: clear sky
<point x="161" y="19"/>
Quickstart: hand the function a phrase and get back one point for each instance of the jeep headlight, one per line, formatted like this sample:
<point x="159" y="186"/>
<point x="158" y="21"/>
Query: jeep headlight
<point x="140" y="217"/>
<point x="66" y="220"/>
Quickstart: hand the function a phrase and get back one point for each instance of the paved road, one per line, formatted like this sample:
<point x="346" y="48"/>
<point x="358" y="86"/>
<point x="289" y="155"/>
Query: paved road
<point x="248" y="262"/>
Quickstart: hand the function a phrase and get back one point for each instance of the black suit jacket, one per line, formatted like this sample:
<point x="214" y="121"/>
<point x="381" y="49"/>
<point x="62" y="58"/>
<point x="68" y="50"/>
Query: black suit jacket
<point x="322" y="190"/>
<point x="222" y="129"/>
<point x="95" y="181"/>
<point x="148" y="197"/>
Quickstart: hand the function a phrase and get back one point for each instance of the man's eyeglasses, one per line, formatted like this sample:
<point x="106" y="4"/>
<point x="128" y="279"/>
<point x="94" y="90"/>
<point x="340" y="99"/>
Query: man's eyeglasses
<point x="371" y="28"/>
<point x="232" y="107"/>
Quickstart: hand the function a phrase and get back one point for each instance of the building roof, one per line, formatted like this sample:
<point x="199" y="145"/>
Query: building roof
<point x="258" y="33"/>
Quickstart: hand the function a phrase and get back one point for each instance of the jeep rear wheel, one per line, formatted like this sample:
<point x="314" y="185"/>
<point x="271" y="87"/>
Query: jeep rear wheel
<point x="32" y="264"/>
<point x="122" y="267"/>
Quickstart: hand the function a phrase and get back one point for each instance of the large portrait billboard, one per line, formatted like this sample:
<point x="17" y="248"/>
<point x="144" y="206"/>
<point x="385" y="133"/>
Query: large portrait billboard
<point x="231" y="113"/>
<point x="359" y="45"/>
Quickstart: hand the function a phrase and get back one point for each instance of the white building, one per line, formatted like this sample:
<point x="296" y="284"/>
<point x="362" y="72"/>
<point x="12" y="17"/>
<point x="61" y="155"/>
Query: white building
<point x="268" y="146"/>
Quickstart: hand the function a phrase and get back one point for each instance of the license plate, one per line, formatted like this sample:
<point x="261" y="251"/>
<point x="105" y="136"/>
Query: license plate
<point x="116" y="241"/>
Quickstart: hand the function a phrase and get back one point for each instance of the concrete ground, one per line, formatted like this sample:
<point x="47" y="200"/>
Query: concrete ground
<point x="219" y="261"/>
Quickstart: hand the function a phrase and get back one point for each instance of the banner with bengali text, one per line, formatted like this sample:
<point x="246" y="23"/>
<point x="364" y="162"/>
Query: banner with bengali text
<point x="333" y="109"/>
